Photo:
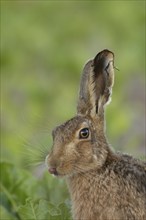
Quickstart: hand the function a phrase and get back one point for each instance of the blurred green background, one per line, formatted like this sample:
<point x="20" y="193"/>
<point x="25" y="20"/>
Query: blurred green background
<point x="44" y="46"/>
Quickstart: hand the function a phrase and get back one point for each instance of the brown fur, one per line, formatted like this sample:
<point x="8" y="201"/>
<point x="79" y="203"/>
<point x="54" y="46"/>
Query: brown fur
<point x="103" y="184"/>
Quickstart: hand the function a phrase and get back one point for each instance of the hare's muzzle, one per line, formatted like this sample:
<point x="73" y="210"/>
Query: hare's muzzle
<point x="52" y="170"/>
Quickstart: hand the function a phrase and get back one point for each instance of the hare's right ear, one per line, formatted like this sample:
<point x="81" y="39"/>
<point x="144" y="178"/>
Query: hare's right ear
<point x="96" y="84"/>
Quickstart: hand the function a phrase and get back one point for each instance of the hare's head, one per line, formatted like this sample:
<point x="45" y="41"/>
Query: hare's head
<point x="79" y="145"/>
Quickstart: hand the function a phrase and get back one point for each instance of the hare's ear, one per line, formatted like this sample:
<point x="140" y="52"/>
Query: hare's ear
<point x="96" y="84"/>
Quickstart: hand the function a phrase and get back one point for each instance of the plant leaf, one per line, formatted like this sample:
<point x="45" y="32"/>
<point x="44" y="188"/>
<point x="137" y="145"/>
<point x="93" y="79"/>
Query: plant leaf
<point x="42" y="210"/>
<point x="65" y="211"/>
<point x="28" y="211"/>
<point x="5" y="215"/>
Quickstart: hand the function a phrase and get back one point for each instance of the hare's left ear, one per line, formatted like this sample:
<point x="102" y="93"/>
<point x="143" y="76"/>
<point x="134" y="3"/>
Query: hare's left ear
<point x="96" y="84"/>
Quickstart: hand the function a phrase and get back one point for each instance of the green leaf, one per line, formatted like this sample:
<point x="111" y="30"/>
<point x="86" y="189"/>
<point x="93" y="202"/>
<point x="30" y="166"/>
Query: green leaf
<point x="17" y="183"/>
<point x="28" y="211"/>
<point x="5" y="215"/>
<point x="7" y="199"/>
<point x="18" y="186"/>
<point x="65" y="211"/>
<point x="4" y="201"/>
<point x="53" y="210"/>
<point x="39" y="211"/>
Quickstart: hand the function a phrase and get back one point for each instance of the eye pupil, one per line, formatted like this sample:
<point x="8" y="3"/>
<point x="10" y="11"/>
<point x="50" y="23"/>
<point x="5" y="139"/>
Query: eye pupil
<point x="84" y="133"/>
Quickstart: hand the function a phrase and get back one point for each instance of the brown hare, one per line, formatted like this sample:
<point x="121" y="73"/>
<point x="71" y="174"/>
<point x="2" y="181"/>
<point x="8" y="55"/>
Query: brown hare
<point x="103" y="184"/>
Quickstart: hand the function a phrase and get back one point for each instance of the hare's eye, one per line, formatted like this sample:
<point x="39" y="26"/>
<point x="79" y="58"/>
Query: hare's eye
<point x="84" y="133"/>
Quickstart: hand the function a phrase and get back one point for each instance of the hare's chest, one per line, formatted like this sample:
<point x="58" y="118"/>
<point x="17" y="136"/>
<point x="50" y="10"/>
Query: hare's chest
<point x="85" y="195"/>
<point x="89" y="198"/>
<point x="83" y="203"/>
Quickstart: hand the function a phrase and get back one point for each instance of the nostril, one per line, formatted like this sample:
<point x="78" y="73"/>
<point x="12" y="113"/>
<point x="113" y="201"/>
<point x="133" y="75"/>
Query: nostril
<point x="53" y="170"/>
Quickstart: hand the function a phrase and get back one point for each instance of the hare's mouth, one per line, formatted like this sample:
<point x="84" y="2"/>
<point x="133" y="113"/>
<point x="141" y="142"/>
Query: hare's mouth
<point x="55" y="173"/>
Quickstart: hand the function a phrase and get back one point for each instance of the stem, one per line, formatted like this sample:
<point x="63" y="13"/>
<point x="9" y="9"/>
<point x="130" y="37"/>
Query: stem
<point x="33" y="210"/>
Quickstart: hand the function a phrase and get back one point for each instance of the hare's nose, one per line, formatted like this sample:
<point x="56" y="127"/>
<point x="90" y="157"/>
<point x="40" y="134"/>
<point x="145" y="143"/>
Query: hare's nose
<point x="53" y="170"/>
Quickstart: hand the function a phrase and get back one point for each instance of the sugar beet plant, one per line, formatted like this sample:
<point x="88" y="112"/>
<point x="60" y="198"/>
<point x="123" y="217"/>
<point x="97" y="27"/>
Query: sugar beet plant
<point x="25" y="197"/>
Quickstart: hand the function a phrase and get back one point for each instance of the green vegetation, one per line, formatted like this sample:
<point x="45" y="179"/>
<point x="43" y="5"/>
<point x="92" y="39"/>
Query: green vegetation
<point x="44" y="45"/>
<point x="20" y="196"/>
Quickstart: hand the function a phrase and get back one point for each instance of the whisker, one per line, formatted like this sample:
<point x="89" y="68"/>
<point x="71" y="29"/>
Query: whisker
<point x="116" y="68"/>
<point x="34" y="156"/>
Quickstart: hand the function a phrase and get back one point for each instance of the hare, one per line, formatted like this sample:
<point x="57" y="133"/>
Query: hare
<point x="103" y="184"/>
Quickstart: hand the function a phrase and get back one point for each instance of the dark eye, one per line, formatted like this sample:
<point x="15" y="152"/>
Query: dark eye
<point x="84" y="133"/>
